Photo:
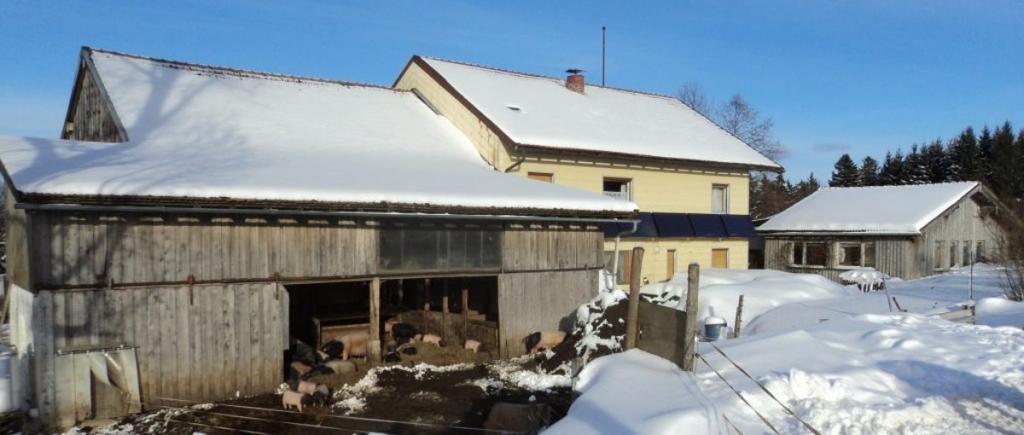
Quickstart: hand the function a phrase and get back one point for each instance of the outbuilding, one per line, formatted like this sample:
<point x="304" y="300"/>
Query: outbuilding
<point x="904" y="231"/>
<point x="194" y="218"/>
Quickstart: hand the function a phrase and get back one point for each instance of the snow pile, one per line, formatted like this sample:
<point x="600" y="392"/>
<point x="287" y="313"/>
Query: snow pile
<point x="513" y="373"/>
<point x="634" y="392"/>
<point x="999" y="312"/>
<point x="867" y="278"/>
<point x="899" y="373"/>
<point x="352" y="397"/>
<point x="762" y="289"/>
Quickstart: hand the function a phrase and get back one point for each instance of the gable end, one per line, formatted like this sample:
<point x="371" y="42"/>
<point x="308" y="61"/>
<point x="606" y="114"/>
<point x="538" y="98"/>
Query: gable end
<point x="91" y="116"/>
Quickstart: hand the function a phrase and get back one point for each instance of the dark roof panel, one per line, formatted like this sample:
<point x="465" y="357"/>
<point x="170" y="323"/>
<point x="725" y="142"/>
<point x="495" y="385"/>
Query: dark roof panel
<point x="708" y="225"/>
<point x="737" y="225"/>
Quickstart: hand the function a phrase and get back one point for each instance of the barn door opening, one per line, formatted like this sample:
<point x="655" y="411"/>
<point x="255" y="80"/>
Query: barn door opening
<point x="319" y="312"/>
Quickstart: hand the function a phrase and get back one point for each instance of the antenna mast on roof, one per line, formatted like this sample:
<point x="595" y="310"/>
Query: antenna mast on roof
<point x="603" y="28"/>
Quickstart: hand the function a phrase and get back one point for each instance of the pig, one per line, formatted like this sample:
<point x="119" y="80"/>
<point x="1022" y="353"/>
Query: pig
<point x="306" y="387"/>
<point x="321" y="395"/>
<point x="332" y="349"/>
<point x="543" y="340"/>
<point x="297" y="370"/>
<point x="339" y="366"/>
<point x="292" y="399"/>
<point x="432" y="339"/>
<point x="353" y="344"/>
<point x="403" y="332"/>
<point x="473" y="345"/>
<point x="392" y="357"/>
<point x="388" y="324"/>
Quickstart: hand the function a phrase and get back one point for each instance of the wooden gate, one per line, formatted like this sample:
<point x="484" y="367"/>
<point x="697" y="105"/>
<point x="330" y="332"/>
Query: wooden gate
<point x="662" y="331"/>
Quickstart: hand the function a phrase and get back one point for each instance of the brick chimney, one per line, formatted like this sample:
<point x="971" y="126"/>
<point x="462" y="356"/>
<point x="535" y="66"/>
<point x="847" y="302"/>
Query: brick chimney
<point x="574" y="80"/>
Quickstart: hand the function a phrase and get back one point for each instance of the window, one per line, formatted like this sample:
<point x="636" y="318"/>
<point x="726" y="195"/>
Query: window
<point x="618" y="188"/>
<point x="425" y="249"/>
<point x="720" y="198"/>
<point x="937" y="260"/>
<point x="856" y="254"/>
<point x="720" y="258"/>
<point x="966" y="260"/>
<point x="541" y="176"/>
<point x="979" y="251"/>
<point x="952" y="253"/>
<point x="810" y="254"/>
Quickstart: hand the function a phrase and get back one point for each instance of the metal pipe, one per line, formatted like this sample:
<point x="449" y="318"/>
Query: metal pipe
<point x="72" y="208"/>
<point x="615" y="255"/>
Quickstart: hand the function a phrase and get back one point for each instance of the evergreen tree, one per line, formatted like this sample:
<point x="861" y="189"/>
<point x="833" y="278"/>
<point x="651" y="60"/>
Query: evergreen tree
<point x="804" y="188"/>
<point x="868" y="172"/>
<point x="846" y="173"/>
<point x="1004" y="167"/>
<point x="893" y="170"/>
<point x="965" y="157"/>
<point x="916" y="171"/>
<point x="985" y="145"/>
<point x="936" y="162"/>
<point x="1019" y="147"/>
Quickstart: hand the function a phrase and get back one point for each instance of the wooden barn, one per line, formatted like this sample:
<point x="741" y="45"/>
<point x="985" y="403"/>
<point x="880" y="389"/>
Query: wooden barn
<point x="903" y="231"/>
<point x="193" y="219"/>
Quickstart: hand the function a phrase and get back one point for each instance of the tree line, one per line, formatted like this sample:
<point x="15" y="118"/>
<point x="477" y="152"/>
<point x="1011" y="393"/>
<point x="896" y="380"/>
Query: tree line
<point x="994" y="157"/>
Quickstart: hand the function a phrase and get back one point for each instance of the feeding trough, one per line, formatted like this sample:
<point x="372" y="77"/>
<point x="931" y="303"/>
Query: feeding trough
<point x="713" y="328"/>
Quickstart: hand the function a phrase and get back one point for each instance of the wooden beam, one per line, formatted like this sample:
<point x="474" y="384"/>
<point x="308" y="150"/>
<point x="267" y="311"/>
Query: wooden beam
<point x="444" y="313"/>
<point x="633" y="317"/>
<point x="739" y="318"/>
<point x="373" y="347"/>
<point x="465" y="313"/>
<point x="690" y="329"/>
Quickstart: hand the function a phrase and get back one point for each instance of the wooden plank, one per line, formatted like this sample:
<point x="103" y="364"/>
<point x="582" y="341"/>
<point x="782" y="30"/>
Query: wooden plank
<point x="169" y="337"/>
<point x="230" y="355"/>
<point x="65" y="390"/>
<point x="198" y="347"/>
<point x="60" y="320"/>
<point x="243" y="361"/>
<point x="83" y="390"/>
<point x="154" y="323"/>
<point x="257" y="347"/>
<point x="465" y="313"/>
<point x="373" y="353"/>
<point x="78" y="319"/>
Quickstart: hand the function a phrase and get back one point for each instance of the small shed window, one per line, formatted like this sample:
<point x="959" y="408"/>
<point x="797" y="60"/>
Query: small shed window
<point x="720" y="198"/>
<point x="953" y="245"/>
<point x="856" y="254"/>
<point x="810" y="254"/>
<point x="966" y="260"/>
<point x="937" y="260"/>
<point x="979" y="251"/>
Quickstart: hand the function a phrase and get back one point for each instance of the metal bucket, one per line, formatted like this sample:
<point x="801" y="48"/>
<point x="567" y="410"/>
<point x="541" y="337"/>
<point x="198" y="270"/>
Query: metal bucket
<point x="713" y="328"/>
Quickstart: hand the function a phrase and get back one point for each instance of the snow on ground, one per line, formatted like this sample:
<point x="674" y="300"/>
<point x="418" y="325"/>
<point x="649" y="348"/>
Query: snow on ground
<point x="893" y="373"/>
<point x="763" y="290"/>
<point x="930" y="295"/>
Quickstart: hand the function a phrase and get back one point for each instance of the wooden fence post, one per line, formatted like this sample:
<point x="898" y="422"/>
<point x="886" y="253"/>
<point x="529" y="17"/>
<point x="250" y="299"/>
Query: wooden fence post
<point x="633" y="317"/>
<point x="739" y="319"/>
<point x="465" y="313"/>
<point x="373" y="351"/>
<point x="690" y="330"/>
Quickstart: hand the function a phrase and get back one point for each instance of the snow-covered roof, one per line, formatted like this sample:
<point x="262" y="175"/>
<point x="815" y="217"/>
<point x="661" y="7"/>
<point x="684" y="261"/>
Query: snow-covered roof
<point x="873" y="210"/>
<point x="219" y="134"/>
<point x="540" y="111"/>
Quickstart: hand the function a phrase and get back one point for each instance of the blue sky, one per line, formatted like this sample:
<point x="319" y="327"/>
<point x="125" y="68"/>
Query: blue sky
<point x="857" y="77"/>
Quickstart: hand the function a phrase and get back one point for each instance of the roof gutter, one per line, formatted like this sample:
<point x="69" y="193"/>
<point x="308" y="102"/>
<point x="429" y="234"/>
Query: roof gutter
<point x="72" y="208"/>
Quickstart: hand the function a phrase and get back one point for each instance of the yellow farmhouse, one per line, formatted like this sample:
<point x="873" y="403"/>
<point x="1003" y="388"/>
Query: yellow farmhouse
<point x="687" y="175"/>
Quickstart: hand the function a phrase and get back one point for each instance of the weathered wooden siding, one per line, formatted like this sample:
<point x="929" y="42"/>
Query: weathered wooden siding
<point x="551" y="247"/>
<point x="529" y="302"/>
<point x="964" y="221"/>
<point x="893" y="255"/>
<point x="16" y="240"/>
<point x="90" y="249"/>
<point x="92" y="116"/>
<point x="199" y="344"/>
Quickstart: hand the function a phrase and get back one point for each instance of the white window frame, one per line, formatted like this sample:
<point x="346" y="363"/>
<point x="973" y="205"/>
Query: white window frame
<point x="838" y="252"/>
<point x="627" y="182"/>
<point x="725" y="198"/>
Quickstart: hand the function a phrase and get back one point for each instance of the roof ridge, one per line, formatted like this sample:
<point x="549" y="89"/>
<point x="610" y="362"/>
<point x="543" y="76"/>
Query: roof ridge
<point x="542" y="76"/>
<point x="891" y="186"/>
<point x="238" y="72"/>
